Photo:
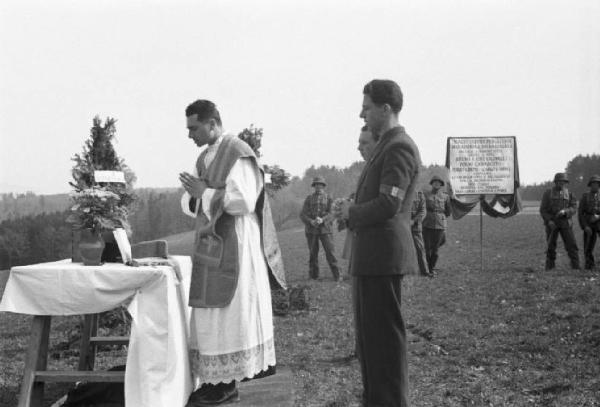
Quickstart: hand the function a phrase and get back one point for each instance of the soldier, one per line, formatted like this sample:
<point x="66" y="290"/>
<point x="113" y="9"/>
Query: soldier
<point x="417" y="214"/>
<point x="589" y="219"/>
<point x="437" y="203"/>
<point x="557" y="207"/>
<point x="317" y="218"/>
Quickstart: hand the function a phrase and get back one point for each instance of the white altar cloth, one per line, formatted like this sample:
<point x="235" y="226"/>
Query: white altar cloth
<point x="157" y="372"/>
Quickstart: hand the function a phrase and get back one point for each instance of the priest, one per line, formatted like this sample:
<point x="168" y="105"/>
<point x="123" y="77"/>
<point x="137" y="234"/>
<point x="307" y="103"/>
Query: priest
<point x="235" y="261"/>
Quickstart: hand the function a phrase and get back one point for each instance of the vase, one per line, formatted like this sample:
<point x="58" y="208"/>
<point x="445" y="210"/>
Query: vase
<point x="91" y="247"/>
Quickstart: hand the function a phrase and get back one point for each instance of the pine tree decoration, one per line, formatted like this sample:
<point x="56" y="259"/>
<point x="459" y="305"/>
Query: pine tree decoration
<point x="100" y="205"/>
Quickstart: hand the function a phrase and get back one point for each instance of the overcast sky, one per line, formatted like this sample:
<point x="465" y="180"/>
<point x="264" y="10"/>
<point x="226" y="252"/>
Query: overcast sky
<point x="295" y="68"/>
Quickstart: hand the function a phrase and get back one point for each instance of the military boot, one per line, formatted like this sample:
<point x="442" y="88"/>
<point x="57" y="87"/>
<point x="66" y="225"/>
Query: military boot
<point x="433" y="262"/>
<point x="549" y="264"/>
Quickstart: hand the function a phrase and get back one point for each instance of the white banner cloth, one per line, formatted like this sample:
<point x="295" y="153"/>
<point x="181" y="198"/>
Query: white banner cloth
<point x="157" y="372"/>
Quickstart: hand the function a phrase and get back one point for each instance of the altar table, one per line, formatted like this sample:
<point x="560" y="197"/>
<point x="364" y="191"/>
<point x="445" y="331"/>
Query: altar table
<point x="157" y="371"/>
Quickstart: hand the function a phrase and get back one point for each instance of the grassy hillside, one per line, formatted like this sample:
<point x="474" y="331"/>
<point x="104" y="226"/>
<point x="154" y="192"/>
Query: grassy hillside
<point x="510" y="335"/>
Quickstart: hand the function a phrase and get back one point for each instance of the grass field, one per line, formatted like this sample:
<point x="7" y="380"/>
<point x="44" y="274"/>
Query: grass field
<point x="510" y="335"/>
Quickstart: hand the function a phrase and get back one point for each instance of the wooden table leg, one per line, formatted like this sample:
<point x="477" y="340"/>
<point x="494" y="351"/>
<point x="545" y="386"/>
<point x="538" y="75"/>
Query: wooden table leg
<point x="32" y="392"/>
<point x="87" y="350"/>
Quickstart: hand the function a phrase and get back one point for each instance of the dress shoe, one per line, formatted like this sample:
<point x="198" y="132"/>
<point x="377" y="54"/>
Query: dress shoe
<point x="212" y="395"/>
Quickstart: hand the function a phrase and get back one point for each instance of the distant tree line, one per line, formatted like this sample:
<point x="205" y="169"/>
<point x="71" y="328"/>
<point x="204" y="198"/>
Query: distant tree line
<point x="579" y="170"/>
<point x="38" y="235"/>
<point x="14" y="206"/>
<point x="34" y="239"/>
<point x="47" y="237"/>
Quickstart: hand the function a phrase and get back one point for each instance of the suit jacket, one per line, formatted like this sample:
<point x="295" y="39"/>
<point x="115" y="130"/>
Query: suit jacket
<point x="382" y="241"/>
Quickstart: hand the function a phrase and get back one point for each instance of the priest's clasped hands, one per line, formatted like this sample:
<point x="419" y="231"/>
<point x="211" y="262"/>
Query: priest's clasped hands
<point x="193" y="185"/>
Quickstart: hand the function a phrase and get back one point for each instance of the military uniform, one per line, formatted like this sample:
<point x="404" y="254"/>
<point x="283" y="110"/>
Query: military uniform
<point x="417" y="214"/>
<point x="557" y="208"/>
<point x="589" y="220"/>
<point x="318" y="206"/>
<point x="435" y="224"/>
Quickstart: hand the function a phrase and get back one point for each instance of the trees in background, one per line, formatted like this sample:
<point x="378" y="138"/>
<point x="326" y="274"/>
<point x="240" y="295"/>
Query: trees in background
<point x="579" y="170"/>
<point x="34" y="237"/>
<point x="13" y="206"/>
<point x="158" y="214"/>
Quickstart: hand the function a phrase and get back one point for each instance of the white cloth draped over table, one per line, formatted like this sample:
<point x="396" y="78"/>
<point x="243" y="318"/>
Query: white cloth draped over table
<point x="236" y="341"/>
<point x="157" y="372"/>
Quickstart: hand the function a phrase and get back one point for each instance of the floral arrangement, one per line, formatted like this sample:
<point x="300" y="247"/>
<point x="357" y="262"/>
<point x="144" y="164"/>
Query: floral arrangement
<point x="97" y="208"/>
<point x="277" y="177"/>
<point x="100" y="205"/>
<point x="337" y="212"/>
<point x="253" y="137"/>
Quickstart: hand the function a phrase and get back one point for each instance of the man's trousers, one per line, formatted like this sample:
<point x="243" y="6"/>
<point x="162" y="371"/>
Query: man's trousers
<point x="589" y="241"/>
<point x="566" y="233"/>
<point x="381" y="340"/>
<point x="434" y="239"/>
<point x="313" y="247"/>
<point x="421" y="256"/>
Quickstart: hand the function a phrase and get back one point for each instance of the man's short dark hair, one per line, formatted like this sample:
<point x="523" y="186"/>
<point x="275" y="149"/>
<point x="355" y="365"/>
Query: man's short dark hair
<point x="366" y="128"/>
<point x="205" y="109"/>
<point x="384" y="91"/>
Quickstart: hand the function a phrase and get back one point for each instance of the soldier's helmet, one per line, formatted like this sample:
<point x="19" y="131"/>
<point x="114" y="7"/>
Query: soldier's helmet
<point x="318" y="180"/>
<point x="436" y="178"/>
<point x="560" y="176"/>
<point x="593" y="178"/>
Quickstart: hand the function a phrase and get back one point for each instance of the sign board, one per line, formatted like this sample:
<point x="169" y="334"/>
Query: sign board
<point x="109" y="176"/>
<point x="482" y="165"/>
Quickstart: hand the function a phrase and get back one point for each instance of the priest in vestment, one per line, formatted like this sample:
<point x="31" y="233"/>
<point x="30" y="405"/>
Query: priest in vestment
<point x="236" y="259"/>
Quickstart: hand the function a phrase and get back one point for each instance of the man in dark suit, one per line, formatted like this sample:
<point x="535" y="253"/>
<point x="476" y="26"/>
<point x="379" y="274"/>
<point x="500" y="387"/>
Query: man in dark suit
<point x="382" y="248"/>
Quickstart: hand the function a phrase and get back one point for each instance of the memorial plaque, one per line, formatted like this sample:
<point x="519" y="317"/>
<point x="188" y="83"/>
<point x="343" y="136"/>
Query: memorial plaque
<point x="482" y="165"/>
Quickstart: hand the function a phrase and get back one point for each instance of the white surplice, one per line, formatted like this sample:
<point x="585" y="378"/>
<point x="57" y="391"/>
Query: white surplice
<point x="236" y="341"/>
